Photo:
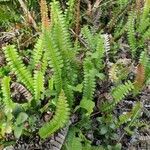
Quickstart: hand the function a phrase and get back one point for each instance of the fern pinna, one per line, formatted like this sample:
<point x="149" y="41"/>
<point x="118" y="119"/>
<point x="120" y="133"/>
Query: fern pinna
<point x="60" y="118"/>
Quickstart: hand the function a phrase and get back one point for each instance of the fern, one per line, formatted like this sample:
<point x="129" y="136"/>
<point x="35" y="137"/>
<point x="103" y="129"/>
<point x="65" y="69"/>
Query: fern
<point x="62" y="40"/>
<point x="60" y="30"/>
<point x="140" y="78"/>
<point x="56" y="61"/>
<point x="144" y="59"/>
<point x="38" y="84"/>
<point x="135" y="114"/>
<point x="118" y="94"/>
<point x="121" y="91"/>
<point x="9" y="105"/>
<point x="60" y="118"/>
<point x="146" y="35"/>
<point x="16" y="64"/>
<point x="89" y="86"/>
<point x="70" y="12"/>
<point x="88" y="37"/>
<point x="124" y="118"/>
<point x="131" y="34"/>
<point x="37" y="52"/>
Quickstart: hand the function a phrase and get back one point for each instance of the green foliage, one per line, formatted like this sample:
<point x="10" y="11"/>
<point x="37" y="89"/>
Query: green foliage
<point x="93" y="76"/>
<point x="59" y="120"/>
<point x="38" y="84"/>
<point x="16" y="64"/>
<point x="6" y="94"/>
<point x="131" y="34"/>
<point x="89" y="86"/>
<point x="118" y="94"/>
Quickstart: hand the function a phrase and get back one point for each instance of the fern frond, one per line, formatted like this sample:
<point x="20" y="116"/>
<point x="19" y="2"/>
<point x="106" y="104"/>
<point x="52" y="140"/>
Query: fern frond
<point x="89" y="79"/>
<point x="118" y="94"/>
<point x="146" y="10"/>
<point x="68" y="92"/>
<point x="88" y="37"/>
<point x="131" y="34"/>
<point x="60" y="118"/>
<point x="144" y="59"/>
<point x="19" y="89"/>
<point x="89" y="86"/>
<point x="38" y="84"/>
<point x="16" y="64"/>
<point x="124" y="118"/>
<point x="6" y="94"/>
<point x="61" y="34"/>
<point x="62" y="40"/>
<point x="44" y="15"/>
<point x="56" y="61"/>
<point x="140" y="77"/>
<point x="70" y="12"/>
<point x="146" y="35"/>
<point x="37" y="52"/>
<point x="99" y="52"/>
<point x="58" y="139"/>
<point x="135" y="113"/>
<point x="44" y="64"/>
<point x="113" y="73"/>
<point x="122" y="90"/>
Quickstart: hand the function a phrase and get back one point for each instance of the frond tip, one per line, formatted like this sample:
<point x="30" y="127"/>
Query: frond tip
<point x="59" y="120"/>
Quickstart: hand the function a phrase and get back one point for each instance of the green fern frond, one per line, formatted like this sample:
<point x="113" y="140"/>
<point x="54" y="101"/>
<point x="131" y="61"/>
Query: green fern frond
<point x="56" y="61"/>
<point x="38" y="84"/>
<point x="88" y="37"/>
<point x="60" y="32"/>
<point x="68" y="92"/>
<point x="146" y="10"/>
<point x="135" y="113"/>
<point x="124" y="118"/>
<point x="89" y="85"/>
<point x="6" y="94"/>
<point x="146" y="35"/>
<point x="121" y="91"/>
<point x="99" y="52"/>
<point x="89" y="80"/>
<point x="16" y="64"/>
<point x="62" y="40"/>
<point x="37" y="52"/>
<point x="70" y="12"/>
<point x="131" y="34"/>
<point x="143" y="59"/>
<point x="44" y="64"/>
<point x="60" y="118"/>
<point x="118" y="94"/>
<point x="143" y="26"/>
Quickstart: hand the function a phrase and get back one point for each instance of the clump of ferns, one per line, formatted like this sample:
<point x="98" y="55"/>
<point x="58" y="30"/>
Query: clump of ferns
<point x="55" y="50"/>
<point x="139" y="29"/>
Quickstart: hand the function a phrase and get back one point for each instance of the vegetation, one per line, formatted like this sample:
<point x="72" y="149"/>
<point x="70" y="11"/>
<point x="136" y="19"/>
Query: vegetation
<point x="77" y="76"/>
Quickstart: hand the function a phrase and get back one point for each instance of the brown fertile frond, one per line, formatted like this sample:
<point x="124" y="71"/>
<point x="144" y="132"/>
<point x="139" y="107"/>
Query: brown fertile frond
<point x="44" y="14"/>
<point x="139" y="5"/>
<point x="140" y="77"/>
